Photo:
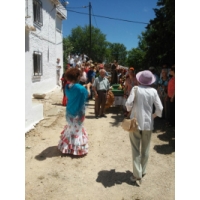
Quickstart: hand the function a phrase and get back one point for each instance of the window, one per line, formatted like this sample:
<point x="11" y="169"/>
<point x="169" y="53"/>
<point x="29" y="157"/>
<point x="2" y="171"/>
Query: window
<point x="37" y="63"/>
<point x="37" y="12"/>
<point x="58" y="24"/>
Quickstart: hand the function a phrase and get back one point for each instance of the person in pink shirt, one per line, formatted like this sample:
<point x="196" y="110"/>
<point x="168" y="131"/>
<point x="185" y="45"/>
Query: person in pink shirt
<point x="171" y="96"/>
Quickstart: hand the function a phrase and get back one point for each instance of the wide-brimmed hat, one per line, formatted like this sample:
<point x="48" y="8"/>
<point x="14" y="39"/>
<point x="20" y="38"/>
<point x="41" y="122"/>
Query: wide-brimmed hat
<point x="145" y="77"/>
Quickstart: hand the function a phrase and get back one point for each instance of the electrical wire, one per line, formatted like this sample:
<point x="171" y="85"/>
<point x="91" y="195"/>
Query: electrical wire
<point x="78" y="7"/>
<point x="94" y="17"/>
<point x="109" y="17"/>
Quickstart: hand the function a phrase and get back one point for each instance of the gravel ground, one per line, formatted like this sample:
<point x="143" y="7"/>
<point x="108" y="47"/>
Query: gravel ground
<point x="104" y="173"/>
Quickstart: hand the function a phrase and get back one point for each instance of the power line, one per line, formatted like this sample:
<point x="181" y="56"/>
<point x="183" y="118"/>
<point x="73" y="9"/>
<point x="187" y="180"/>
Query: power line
<point x="78" y="7"/>
<point x="109" y="17"/>
<point x="94" y="17"/>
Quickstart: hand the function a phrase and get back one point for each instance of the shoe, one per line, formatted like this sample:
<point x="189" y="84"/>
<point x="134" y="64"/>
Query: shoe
<point x="134" y="179"/>
<point x="103" y="116"/>
<point x="96" y="117"/>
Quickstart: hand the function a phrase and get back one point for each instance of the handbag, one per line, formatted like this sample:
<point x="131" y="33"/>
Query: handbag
<point x="130" y="125"/>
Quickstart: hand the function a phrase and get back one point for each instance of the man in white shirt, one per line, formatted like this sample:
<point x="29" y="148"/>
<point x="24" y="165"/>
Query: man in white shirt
<point x="140" y="104"/>
<point x="71" y="61"/>
<point x="58" y="67"/>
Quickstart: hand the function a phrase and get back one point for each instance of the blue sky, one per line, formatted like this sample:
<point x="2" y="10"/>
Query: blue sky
<point x="115" y="31"/>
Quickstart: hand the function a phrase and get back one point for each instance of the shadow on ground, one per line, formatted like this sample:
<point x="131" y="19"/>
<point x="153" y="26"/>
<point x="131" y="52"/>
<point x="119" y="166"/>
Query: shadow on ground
<point x="110" y="178"/>
<point x="90" y="117"/>
<point x="114" y="110"/>
<point x="159" y="125"/>
<point x="54" y="152"/>
<point x="163" y="137"/>
<point x="116" y="115"/>
<point x="118" y="120"/>
<point x="164" y="149"/>
<point x="48" y="153"/>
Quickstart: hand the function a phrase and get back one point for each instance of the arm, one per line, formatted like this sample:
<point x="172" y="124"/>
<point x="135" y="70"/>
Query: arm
<point x="95" y="91"/>
<point x="158" y="105"/>
<point x="94" y="88"/>
<point x="129" y="102"/>
<point x="85" y="76"/>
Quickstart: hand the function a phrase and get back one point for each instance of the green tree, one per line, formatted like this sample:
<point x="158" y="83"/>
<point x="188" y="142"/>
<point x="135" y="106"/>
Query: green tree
<point x="80" y="39"/>
<point x="118" y="52"/>
<point x="67" y="49"/>
<point x="108" y="58"/>
<point x="160" y="34"/>
<point x="156" y="44"/>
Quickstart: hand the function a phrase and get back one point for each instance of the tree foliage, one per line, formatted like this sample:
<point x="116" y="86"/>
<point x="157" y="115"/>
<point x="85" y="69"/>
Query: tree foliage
<point x="80" y="39"/>
<point x="157" y="44"/>
<point x="118" y="52"/>
<point x="67" y="49"/>
<point x="78" y="42"/>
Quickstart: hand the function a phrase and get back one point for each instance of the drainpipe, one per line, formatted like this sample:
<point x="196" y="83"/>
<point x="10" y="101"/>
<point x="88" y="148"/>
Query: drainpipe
<point x="55" y="28"/>
<point x="27" y="16"/>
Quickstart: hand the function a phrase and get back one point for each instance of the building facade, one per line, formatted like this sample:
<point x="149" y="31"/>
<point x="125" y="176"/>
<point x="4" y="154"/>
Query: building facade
<point x="43" y="45"/>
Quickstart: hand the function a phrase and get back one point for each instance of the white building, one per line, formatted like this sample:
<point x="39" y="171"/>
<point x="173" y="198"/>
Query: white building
<point x="43" y="45"/>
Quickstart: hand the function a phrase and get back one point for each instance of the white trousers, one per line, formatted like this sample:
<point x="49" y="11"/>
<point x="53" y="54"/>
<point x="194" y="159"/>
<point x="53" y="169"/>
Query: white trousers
<point x="140" y="156"/>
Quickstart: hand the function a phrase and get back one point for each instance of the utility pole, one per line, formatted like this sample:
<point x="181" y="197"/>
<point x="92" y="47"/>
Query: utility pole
<point x="90" y="29"/>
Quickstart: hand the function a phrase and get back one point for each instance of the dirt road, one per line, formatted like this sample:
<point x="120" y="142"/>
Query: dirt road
<point x="104" y="173"/>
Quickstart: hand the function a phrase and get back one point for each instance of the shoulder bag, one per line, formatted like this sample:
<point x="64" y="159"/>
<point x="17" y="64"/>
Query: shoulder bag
<point x="130" y="125"/>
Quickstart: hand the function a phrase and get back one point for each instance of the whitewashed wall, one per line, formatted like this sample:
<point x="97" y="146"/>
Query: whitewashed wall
<point x="28" y="92"/>
<point x="59" y="39"/>
<point x="33" y="112"/>
<point x="44" y="40"/>
<point x="47" y="40"/>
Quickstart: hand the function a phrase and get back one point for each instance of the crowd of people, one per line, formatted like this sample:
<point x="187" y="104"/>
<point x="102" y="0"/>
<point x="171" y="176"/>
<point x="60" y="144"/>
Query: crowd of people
<point x="86" y="80"/>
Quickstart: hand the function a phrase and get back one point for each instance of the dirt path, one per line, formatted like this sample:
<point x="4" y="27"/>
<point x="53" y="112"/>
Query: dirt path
<point x="104" y="173"/>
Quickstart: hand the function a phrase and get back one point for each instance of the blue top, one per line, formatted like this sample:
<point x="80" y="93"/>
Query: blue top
<point x="162" y="82"/>
<point x="91" y="74"/>
<point x="161" y="87"/>
<point x="77" y="96"/>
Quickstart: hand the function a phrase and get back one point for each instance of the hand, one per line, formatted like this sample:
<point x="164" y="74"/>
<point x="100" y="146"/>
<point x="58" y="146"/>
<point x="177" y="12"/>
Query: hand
<point x="96" y="95"/>
<point x="171" y="99"/>
<point x="154" y="115"/>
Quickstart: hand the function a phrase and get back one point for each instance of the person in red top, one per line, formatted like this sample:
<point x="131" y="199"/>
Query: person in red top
<point x="171" y="96"/>
<point x="87" y="67"/>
